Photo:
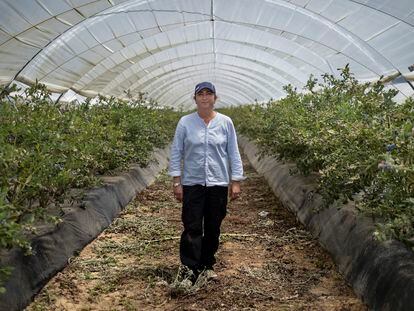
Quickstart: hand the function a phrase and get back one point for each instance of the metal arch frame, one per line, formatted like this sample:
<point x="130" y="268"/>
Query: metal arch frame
<point x="338" y="29"/>
<point x="117" y="6"/>
<point x="156" y="82"/>
<point x="319" y="43"/>
<point x="142" y="42"/>
<point x="85" y="83"/>
<point x="228" y="91"/>
<point x="294" y="6"/>
<point x="181" y="60"/>
<point x="81" y="90"/>
<point x="259" y="77"/>
<point x="176" y="85"/>
<point x="292" y="65"/>
<point x="397" y="18"/>
<point x="223" y="101"/>
<point x="365" y="47"/>
<point x="186" y="100"/>
<point x="40" y="49"/>
<point x="124" y="3"/>
<point x="227" y="98"/>
<point x="263" y="65"/>
<point x="177" y="72"/>
<point x="264" y="71"/>
<point x="131" y="47"/>
<point x="383" y="12"/>
<point x="179" y="86"/>
<point x="180" y="45"/>
<point x="166" y="87"/>
<point x="82" y="26"/>
<point x="228" y="94"/>
<point x="275" y="46"/>
<point x="261" y="85"/>
<point x="275" y="76"/>
<point x="124" y="12"/>
<point x="321" y="70"/>
<point x="128" y="73"/>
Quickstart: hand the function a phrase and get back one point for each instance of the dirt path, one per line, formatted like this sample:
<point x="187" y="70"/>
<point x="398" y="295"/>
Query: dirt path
<point x="265" y="262"/>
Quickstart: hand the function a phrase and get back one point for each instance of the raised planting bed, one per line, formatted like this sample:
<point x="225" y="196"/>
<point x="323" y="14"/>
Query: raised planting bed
<point x="53" y="250"/>
<point x="381" y="273"/>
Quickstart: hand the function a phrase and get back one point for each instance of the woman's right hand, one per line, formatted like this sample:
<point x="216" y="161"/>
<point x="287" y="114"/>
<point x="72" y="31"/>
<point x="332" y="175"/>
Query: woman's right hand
<point x="178" y="193"/>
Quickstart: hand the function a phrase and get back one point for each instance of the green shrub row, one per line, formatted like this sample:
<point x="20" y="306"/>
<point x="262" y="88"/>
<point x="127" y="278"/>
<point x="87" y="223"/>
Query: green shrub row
<point x="354" y="136"/>
<point x="47" y="149"/>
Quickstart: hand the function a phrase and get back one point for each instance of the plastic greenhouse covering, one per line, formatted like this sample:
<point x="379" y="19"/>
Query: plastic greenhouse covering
<point x="317" y="95"/>
<point x="249" y="48"/>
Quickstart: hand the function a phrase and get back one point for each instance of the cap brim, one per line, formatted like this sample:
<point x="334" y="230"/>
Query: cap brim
<point x="204" y="88"/>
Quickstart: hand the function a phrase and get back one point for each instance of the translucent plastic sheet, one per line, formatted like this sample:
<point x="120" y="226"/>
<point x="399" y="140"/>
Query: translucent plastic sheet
<point x="250" y="49"/>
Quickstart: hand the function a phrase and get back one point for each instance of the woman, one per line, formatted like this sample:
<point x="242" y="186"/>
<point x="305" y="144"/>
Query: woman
<point x="205" y="141"/>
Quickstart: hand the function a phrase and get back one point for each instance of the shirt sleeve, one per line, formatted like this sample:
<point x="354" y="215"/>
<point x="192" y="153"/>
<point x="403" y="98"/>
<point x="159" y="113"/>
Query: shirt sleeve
<point x="236" y="165"/>
<point x="177" y="150"/>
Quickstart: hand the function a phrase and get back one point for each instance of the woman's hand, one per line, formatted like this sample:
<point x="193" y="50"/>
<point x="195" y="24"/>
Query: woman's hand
<point x="178" y="193"/>
<point x="178" y="188"/>
<point x="234" y="190"/>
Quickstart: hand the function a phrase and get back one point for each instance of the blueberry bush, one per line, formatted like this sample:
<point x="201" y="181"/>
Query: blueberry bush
<point x="354" y="136"/>
<point x="48" y="148"/>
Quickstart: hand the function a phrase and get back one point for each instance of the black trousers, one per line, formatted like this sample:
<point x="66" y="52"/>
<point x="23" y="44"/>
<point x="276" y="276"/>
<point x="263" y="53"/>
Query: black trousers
<point x="204" y="208"/>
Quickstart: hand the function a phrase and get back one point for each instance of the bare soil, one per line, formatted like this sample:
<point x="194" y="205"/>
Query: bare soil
<point x="266" y="261"/>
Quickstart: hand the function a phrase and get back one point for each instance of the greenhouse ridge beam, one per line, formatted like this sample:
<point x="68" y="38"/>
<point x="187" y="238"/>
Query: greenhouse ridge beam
<point x="108" y="46"/>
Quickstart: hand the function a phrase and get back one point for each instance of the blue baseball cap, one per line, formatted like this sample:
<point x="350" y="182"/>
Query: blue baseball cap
<point x="205" y="85"/>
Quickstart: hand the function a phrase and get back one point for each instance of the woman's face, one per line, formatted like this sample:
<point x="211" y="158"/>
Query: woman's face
<point x="205" y="99"/>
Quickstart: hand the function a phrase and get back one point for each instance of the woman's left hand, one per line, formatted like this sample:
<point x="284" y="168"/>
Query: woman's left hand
<point x="234" y="190"/>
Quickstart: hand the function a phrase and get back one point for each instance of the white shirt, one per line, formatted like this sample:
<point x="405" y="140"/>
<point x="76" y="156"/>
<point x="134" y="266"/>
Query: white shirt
<point x="209" y="153"/>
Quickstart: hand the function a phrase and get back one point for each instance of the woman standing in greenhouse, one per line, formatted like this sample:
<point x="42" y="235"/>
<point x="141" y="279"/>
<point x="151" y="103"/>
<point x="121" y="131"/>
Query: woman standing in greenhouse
<point x="205" y="141"/>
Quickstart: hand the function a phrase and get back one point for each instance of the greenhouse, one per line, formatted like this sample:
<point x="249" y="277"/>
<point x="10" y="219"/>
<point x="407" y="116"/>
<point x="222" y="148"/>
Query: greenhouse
<point x="93" y="96"/>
